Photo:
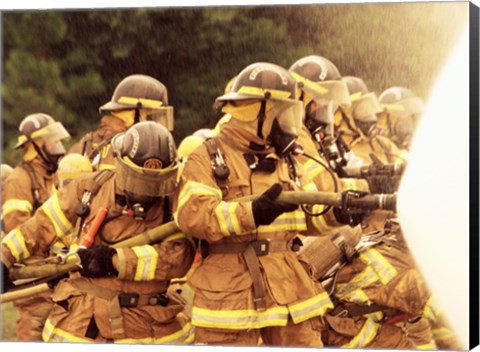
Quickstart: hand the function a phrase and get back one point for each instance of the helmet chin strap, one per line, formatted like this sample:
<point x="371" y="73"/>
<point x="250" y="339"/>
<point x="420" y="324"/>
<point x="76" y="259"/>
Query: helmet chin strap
<point x="261" y="119"/>
<point x="53" y="166"/>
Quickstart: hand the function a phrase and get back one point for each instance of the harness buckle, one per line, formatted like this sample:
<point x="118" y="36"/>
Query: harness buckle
<point x="261" y="247"/>
<point x="129" y="300"/>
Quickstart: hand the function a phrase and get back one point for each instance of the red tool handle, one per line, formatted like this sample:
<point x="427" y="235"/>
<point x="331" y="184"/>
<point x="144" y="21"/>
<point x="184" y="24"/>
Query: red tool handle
<point x="88" y="239"/>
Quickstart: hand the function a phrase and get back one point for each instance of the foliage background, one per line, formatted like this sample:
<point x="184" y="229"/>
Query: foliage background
<point x="67" y="63"/>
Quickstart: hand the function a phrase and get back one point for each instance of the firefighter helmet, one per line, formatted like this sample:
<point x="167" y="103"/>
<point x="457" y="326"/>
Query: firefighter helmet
<point x="72" y="166"/>
<point x="365" y="104"/>
<point x="45" y="135"/>
<point x="146" y="161"/>
<point x="141" y="93"/>
<point x="320" y="80"/>
<point x="401" y="101"/>
<point x="267" y="93"/>
<point x="188" y="145"/>
<point x="401" y="112"/>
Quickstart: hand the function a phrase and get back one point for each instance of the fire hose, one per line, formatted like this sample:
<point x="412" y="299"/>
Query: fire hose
<point x="157" y="234"/>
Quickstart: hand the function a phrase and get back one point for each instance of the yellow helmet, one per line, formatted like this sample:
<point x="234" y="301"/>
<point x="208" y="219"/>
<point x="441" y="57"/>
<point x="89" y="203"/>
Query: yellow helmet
<point x="188" y="145"/>
<point x="72" y="166"/>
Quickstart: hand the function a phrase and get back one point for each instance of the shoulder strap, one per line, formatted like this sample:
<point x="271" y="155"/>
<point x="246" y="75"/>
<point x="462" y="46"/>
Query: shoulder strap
<point x="219" y="167"/>
<point x="93" y="185"/>
<point x="35" y="187"/>
<point x="93" y="153"/>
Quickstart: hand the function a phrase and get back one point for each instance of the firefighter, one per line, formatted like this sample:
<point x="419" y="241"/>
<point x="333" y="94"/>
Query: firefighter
<point x="72" y="166"/>
<point x="250" y="284"/>
<point x="29" y="185"/>
<point x="120" y="294"/>
<point x="398" y="290"/>
<point x="136" y="98"/>
<point x="401" y="113"/>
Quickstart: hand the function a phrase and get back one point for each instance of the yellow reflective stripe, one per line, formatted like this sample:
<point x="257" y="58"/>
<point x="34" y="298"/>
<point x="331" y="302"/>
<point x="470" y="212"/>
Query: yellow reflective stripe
<point x="15" y="242"/>
<point x="375" y="316"/>
<point x="147" y="262"/>
<point x="442" y="334"/>
<point x="312" y="169"/>
<point x="365" y="336"/>
<point x="380" y="264"/>
<point x="393" y="107"/>
<point x="196" y="188"/>
<point x="53" y="334"/>
<point x="310" y="84"/>
<point x="181" y="336"/>
<point x="239" y="319"/>
<point x="274" y="93"/>
<point x="227" y="218"/>
<point x="41" y="132"/>
<point x="103" y="166"/>
<point x="319" y="222"/>
<point x="363" y="279"/>
<point x="310" y="187"/>
<point x="57" y="247"/>
<point x="292" y="221"/>
<point x="431" y="310"/>
<point x="427" y="346"/>
<point x="355" y="96"/>
<point x="12" y="205"/>
<point x="146" y="103"/>
<point x="310" y="308"/>
<point x="349" y="183"/>
<point x="52" y="209"/>
<point x="357" y="296"/>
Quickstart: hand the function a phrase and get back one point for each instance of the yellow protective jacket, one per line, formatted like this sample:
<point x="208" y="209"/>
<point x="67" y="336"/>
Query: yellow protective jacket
<point x="222" y="283"/>
<point x="19" y="201"/>
<point x="109" y="127"/>
<point x="144" y="270"/>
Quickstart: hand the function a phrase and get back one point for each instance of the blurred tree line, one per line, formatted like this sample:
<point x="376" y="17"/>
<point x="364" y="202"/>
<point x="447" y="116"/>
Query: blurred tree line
<point x="67" y="63"/>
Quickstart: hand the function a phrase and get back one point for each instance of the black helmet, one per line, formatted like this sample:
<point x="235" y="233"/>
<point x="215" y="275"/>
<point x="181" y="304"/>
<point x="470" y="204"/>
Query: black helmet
<point x="401" y="112"/>
<point x="146" y="161"/>
<point x="142" y="92"/>
<point x="365" y="104"/>
<point x="320" y="79"/>
<point x="46" y="136"/>
<point x="262" y="80"/>
<point x="401" y="101"/>
<point x="279" y="114"/>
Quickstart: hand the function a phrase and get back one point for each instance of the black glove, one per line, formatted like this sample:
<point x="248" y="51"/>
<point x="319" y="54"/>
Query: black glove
<point x="383" y="183"/>
<point x="97" y="261"/>
<point x="265" y="209"/>
<point x="7" y="284"/>
<point x="347" y="215"/>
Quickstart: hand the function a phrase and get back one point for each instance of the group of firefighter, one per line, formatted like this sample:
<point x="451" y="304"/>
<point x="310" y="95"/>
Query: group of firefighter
<point x="241" y="265"/>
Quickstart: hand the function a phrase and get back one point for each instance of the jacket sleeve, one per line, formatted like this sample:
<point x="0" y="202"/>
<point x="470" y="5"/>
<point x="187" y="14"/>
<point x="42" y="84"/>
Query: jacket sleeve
<point x="200" y="209"/>
<point x="18" y="200"/>
<point x="51" y="222"/>
<point x="169" y="259"/>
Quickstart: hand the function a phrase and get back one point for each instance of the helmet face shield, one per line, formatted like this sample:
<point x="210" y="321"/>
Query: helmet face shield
<point x="145" y="182"/>
<point x="288" y="114"/>
<point x="336" y="91"/>
<point x="162" y="115"/>
<point x="50" y="134"/>
<point x="366" y="107"/>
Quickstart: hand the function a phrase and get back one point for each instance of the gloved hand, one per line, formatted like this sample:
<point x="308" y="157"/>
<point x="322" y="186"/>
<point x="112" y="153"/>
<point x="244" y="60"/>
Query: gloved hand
<point x="383" y="183"/>
<point x="265" y="209"/>
<point x="97" y="261"/>
<point x="7" y="284"/>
